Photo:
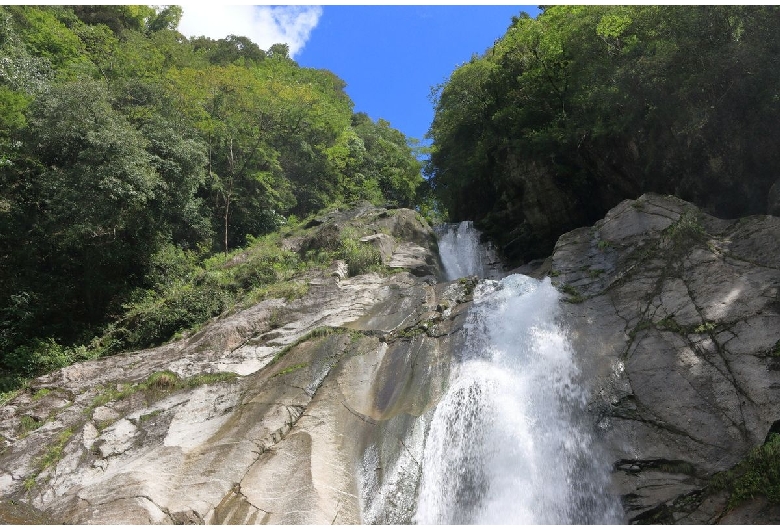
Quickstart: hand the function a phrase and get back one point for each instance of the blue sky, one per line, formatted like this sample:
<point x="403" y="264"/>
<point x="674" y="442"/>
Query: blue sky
<point x="389" y="56"/>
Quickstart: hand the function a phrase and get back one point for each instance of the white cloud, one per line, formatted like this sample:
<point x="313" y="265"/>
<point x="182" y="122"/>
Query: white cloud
<point x="264" y="25"/>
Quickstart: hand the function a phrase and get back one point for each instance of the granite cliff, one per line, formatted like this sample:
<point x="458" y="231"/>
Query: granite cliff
<point x="315" y="411"/>
<point x="676" y="318"/>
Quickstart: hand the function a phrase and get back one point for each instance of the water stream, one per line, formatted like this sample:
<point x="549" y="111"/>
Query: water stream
<point x="510" y="441"/>
<point x="461" y="252"/>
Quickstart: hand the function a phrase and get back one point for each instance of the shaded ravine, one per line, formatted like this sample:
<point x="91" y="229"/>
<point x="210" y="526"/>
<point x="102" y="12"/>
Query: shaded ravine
<point x="509" y="442"/>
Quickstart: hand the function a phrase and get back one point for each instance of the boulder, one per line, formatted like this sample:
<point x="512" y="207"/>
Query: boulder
<point x="384" y="243"/>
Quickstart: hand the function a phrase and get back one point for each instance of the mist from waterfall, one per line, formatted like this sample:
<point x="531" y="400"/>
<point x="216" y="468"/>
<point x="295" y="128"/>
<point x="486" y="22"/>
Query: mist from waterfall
<point x="510" y="442"/>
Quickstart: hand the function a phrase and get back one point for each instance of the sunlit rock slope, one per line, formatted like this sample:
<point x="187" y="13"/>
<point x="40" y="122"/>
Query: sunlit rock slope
<point x="314" y="411"/>
<point x="260" y="417"/>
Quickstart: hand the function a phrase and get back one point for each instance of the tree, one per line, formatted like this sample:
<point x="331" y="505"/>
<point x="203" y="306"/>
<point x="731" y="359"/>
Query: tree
<point x="460" y="166"/>
<point x="389" y="160"/>
<point x="232" y="49"/>
<point x="125" y="146"/>
<point x="120" y="18"/>
<point x="166" y="18"/>
<point x="569" y="113"/>
<point x="12" y="107"/>
<point x="20" y="70"/>
<point x="89" y="207"/>
<point x="176" y="154"/>
<point x="234" y="112"/>
<point x="279" y="51"/>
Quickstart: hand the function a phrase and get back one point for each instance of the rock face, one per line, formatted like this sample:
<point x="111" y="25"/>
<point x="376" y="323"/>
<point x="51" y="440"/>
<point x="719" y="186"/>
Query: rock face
<point x="261" y="417"/>
<point x="676" y="317"/>
<point x="315" y="411"/>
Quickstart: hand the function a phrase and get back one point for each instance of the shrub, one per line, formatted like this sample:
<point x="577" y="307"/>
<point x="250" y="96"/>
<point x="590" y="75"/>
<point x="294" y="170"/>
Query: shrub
<point x="162" y="380"/>
<point x="55" y="452"/>
<point x="360" y="257"/>
<point x="157" y="384"/>
<point x="28" y="424"/>
<point x="685" y="233"/>
<point x="40" y="357"/>
<point x="170" y="265"/>
<point x="155" y="319"/>
<point x="757" y="475"/>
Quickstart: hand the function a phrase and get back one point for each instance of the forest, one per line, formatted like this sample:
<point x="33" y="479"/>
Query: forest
<point x="571" y="112"/>
<point x="135" y="163"/>
<point x="145" y="177"/>
<point x="220" y="300"/>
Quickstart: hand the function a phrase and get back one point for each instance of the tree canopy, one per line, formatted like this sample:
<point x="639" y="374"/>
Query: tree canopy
<point x="571" y="112"/>
<point x="121" y="139"/>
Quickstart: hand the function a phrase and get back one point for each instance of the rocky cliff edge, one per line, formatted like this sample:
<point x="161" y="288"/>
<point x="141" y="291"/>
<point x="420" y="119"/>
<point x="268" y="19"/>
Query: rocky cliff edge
<point x="676" y="318"/>
<point x="314" y="411"/>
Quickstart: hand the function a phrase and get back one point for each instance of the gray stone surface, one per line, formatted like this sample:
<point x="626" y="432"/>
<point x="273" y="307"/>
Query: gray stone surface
<point x="349" y="366"/>
<point x="676" y="317"/>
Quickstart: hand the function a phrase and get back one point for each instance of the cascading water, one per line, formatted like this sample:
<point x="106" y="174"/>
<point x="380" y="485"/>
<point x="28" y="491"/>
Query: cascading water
<point x="508" y="441"/>
<point x="461" y="252"/>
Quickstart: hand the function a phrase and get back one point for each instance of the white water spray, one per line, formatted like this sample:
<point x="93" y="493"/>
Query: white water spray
<point x="461" y="253"/>
<point x="509" y="443"/>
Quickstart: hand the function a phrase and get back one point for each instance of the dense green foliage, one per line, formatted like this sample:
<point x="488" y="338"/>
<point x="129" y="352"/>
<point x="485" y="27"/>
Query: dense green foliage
<point x="130" y="154"/>
<point x="571" y="112"/>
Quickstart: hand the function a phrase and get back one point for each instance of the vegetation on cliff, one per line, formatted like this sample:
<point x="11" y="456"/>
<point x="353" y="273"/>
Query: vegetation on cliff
<point x="572" y="112"/>
<point x="130" y="154"/>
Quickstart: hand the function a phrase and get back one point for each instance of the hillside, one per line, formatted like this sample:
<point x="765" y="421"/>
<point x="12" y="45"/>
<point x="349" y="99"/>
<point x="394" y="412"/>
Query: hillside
<point x="572" y="112"/>
<point x="222" y="300"/>
<point x="324" y="409"/>
<point x="130" y="156"/>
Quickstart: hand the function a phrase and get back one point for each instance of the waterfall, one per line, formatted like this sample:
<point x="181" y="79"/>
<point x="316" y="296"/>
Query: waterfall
<point x="510" y="441"/>
<point x="461" y="252"/>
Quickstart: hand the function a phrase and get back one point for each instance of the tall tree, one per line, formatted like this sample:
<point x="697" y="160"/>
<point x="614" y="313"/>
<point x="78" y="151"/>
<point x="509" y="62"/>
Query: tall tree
<point x="233" y="111"/>
<point x="126" y="148"/>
